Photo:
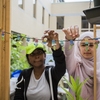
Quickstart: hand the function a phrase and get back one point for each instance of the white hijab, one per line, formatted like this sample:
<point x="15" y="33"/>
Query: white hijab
<point x="89" y="63"/>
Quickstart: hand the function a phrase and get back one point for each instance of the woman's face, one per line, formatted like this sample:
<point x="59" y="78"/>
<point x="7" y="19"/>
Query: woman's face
<point x="37" y="58"/>
<point x="87" y="47"/>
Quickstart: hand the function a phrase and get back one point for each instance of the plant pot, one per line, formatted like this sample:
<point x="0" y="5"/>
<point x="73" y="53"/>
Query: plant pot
<point x="96" y="3"/>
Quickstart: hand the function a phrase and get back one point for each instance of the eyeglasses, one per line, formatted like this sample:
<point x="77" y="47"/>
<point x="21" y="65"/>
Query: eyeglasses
<point x="37" y="52"/>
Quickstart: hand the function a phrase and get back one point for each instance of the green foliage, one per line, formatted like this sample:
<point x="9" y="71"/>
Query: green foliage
<point x="18" y="58"/>
<point x="50" y="60"/>
<point x="76" y="87"/>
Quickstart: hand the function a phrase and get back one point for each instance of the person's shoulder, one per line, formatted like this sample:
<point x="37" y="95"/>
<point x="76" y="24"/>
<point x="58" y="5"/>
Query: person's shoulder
<point x="25" y="71"/>
<point x="47" y="67"/>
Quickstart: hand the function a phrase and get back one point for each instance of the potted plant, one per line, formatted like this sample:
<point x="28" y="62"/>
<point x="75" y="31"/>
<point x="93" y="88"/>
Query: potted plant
<point x="18" y="58"/>
<point x="76" y="87"/>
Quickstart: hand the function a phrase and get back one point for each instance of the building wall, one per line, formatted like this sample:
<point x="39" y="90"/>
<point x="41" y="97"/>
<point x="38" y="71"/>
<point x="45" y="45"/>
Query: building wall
<point x="72" y="13"/>
<point x="22" y="20"/>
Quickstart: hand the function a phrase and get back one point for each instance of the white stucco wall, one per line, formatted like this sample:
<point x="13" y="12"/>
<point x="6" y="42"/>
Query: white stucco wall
<point x="22" y="20"/>
<point x="72" y="13"/>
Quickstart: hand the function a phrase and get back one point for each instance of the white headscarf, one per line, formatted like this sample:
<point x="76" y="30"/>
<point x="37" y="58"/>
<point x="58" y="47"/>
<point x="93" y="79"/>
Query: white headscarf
<point x="81" y="67"/>
<point x="89" y="63"/>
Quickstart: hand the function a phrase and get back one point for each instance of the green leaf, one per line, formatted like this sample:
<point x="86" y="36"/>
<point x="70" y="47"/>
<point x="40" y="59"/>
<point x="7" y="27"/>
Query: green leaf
<point x="77" y="81"/>
<point x="68" y="98"/>
<point x="73" y="83"/>
<point x="80" y="86"/>
<point x="23" y="35"/>
<point x="76" y="87"/>
<point x="69" y="84"/>
<point x="79" y="98"/>
<point x="18" y="58"/>
<point x="68" y="94"/>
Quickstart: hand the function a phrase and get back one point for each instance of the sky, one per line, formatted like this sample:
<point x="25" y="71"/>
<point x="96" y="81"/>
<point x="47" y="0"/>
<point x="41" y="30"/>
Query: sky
<point x="76" y="0"/>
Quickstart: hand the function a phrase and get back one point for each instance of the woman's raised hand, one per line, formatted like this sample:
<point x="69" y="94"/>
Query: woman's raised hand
<point x="71" y="33"/>
<point x="51" y="38"/>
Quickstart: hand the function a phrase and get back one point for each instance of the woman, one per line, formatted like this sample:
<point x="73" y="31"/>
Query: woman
<point x="79" y="59"/>
<point x="34" y="83"/>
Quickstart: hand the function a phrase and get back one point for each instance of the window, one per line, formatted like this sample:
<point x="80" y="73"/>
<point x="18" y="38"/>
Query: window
<point x="21" y="3"/>
<point x="84" y="22"/>
<point x="34" y="8"/>
<point x="60" y="22"/>
<point x="60" y="0"/>
<point x="85" y="25"/>
<point x="43" y="15"/>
